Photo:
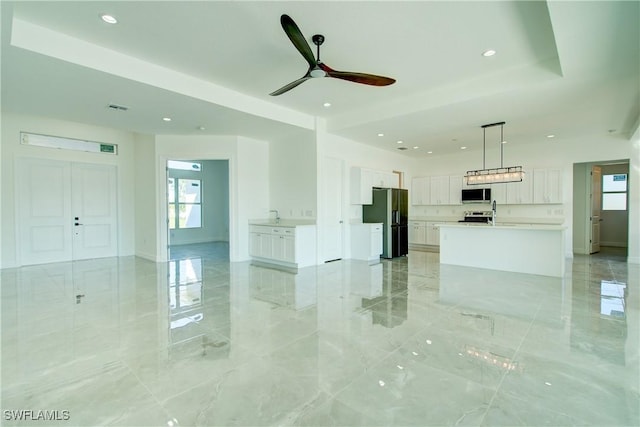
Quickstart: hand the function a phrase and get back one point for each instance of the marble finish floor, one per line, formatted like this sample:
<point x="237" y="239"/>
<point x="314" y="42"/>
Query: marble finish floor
<point x="408" y="342"/>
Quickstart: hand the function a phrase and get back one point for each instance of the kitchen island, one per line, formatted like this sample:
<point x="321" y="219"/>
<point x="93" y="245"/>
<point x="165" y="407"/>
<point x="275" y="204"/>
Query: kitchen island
<point x="533" y="249"/>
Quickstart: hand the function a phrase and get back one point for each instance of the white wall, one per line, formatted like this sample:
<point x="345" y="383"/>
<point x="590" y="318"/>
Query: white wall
<point x="554" y="153"/>
<point x="293" y="175"/>
<point x="146" y="217"/>
<point x="353" y="154"/>
<point x="13" y="124"/>
<point x="248" y="182"/>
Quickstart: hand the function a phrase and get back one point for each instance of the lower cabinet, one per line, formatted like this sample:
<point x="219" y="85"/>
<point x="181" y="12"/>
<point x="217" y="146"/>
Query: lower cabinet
<point x="424" y="233"/>
<point x="286" y="246"/>
<point x="366" y="241"/>
<point x="417" y="233"/>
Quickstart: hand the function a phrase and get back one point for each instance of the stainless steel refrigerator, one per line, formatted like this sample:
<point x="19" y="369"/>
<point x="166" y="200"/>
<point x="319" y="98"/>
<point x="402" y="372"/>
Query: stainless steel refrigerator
<point x="390" y="207"/>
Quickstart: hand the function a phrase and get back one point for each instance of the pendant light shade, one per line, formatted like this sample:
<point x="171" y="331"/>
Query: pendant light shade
<point x="494" y="175"/>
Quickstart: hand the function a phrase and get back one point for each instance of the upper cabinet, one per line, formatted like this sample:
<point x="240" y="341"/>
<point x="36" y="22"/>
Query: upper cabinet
<point x="363" y="180"/>
<point x="420" y="191"/>
<point x="547" y="186"/>
<point x="539" y="186"/>
<point x="436" y="190"/>
<point x="520" y="193"/>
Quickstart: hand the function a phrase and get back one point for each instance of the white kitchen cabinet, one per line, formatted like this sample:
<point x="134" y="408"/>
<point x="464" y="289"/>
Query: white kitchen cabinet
<point x="433" y="233"/>
<point x="363" y="180"/>
<point x="455" y="190"/>
<point x="417" y="233"/>
<point x="420" y="190"/>
<point x="287" y="246"/>
<point x="547" y="186"/>
<point x="520" y="193"/>
<point x="384" y="179"/>
<point x="283" y="244"/>
<point x="439" y="190"/>
<point x="366" y="241"/>
<point x="361" y="185"/>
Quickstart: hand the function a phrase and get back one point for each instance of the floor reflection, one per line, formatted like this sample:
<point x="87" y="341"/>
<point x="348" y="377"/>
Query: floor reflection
<point x="202" y="341"/>
<point x="389" y="307"/>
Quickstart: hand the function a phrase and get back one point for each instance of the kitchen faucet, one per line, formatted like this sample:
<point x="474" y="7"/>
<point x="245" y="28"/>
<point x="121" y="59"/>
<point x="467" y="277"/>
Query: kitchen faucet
<point x="493" y="213"/>
<point x="277" y="215"/>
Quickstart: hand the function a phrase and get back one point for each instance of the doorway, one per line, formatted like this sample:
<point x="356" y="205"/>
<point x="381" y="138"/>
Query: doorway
<point x="66" y="211"/>
<point x="600" y="206"/>
<point x="198" y="209"/>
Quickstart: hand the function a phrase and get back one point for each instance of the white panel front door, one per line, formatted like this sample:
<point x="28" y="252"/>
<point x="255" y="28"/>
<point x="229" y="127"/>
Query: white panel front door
<point x="51" y="195"/>
<point x="44" y="216"/>
<point x="332" y="211"/>
<point x="93" y="201"/>
<point x="596" y="203"/>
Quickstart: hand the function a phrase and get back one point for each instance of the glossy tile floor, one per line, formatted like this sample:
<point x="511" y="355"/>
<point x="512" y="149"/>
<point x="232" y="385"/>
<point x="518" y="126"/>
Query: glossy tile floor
<point x="406" y="342"/>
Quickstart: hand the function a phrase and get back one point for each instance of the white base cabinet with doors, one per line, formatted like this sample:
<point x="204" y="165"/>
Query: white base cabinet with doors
<point x="424" y="232"/>
<point x="287" y="246"/>
<point x="366" y="241"/>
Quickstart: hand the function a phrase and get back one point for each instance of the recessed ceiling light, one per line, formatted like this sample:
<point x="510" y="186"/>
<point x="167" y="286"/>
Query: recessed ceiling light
<point x="201" y="128"/>
<point x="489" y="52"/>
<point x="504" y="142"/>
<point x="381" y="134"/>
<point x="327" y="104"/>
<point x="399" y="142"/>
<point x="429" y="152"/>
<point x="463" y="148"/>
<point x="109" y="19"/>
<point x="416" y="147"/>
<point x="551" y="136"/>
<point x="166" y="119"/>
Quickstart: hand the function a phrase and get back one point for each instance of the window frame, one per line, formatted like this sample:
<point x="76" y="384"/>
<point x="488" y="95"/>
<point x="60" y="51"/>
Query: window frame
<point x="625" y="192"/>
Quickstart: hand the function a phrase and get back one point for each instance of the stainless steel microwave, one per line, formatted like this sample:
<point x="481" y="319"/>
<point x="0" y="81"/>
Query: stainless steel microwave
<point x="476" y="195"/>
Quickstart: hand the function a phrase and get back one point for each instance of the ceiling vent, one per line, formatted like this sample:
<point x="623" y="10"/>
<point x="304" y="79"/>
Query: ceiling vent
<point x="118" y="107"/>
<point x="402" y="148"/>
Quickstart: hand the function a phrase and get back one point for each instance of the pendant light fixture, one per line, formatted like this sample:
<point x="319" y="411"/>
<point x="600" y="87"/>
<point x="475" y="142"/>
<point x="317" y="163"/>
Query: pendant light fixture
<point x="495" y="175"/>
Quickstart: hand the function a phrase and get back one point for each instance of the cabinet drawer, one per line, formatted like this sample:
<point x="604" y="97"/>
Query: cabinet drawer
<point x="283" y="231"/>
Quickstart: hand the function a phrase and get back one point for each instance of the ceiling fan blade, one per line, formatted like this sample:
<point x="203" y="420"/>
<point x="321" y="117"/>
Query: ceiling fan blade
<point x="298" y="40"/>
<point x="290" y="86"/>
<point x="367" y="79"/>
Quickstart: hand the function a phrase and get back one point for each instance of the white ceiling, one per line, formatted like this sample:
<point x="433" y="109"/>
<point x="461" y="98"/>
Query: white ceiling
<point x="564" y="68"/>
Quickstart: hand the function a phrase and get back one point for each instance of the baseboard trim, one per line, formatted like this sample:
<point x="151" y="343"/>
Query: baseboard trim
<point x="614" y="244"/>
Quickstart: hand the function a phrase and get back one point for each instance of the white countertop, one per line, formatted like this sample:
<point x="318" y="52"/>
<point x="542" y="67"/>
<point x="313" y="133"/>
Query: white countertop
<point x="283" y="222"/>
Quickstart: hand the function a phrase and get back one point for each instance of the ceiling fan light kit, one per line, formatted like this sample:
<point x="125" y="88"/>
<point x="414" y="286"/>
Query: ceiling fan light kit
<point x="494" y="175"/>
<point x="317" y="68"/>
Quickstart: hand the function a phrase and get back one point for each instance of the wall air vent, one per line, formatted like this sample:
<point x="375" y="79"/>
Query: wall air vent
<point x="67" y="143"/>
<point x="118" y="107"/>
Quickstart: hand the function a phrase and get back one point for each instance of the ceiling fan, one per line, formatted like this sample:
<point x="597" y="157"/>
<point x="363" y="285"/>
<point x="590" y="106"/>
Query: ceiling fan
<point x="316" y="67"/>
